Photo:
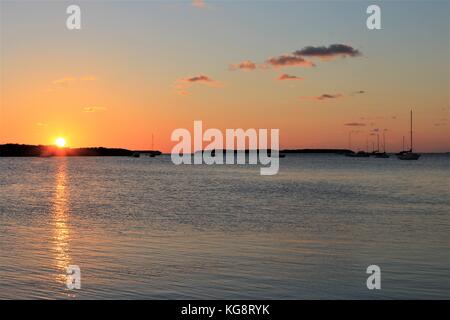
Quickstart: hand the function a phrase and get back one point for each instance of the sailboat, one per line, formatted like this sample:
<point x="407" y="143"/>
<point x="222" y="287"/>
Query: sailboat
<point x="359" y="154"/>
<point x="382" y="154"/>
<point x="409" y="154"/>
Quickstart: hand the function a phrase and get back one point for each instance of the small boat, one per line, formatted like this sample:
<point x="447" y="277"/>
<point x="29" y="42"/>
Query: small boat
<point x="378" y="154"/>
<point x="381" y="155"/>
<point x="359" y="154"/>
<point x="136" y="155"/>
<point x="409" y="154"/>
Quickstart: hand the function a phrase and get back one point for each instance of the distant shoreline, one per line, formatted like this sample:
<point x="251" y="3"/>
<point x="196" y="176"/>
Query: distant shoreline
<point x="24" y="150"/>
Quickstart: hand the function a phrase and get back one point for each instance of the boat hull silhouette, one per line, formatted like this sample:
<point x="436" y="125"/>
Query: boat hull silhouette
<point x="408" y="156"/>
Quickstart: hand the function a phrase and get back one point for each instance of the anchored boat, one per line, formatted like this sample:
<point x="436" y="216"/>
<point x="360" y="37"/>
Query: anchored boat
<point x="409" y="154"/>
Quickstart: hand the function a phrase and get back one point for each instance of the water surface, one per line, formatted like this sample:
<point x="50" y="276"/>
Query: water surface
<point x="147" y="229"/>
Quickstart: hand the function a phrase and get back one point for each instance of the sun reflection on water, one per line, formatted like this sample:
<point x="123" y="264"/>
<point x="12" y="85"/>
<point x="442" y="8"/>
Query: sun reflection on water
<point x="61" y="236"/>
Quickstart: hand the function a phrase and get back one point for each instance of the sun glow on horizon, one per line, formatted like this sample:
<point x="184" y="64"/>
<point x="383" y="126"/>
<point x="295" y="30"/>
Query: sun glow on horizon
<point x="60" y="142"/>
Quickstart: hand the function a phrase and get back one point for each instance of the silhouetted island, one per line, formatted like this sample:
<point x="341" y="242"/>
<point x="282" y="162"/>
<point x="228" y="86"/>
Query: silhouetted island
<point x="286" y="151"/>
<point x="336" y="151"/>
<point x="23" y="150"/>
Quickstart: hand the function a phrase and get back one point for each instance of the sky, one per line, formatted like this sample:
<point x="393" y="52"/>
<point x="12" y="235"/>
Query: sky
<point x="142" y="68"/>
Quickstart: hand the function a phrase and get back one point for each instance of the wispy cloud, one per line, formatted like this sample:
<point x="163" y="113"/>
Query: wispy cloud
<point x="286" y="76"/>
<point x="182" y="85"/>
<point x="93" y="109"/>
<point x="327" y="96"/>
<point x="200" y="78"/>
<point x="442" y="122"/>
<point x="328" y="53"/>
<point x="67" y="80"/>
<point x="183" y="92"/>
<point x="244" y="65"/>
<point x="355" y="124"/>
<point x="289" y="61"/>
<point x="323" y="97"/>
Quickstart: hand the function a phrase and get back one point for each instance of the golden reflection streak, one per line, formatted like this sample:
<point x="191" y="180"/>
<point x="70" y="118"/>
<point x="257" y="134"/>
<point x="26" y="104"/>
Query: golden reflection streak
<point x="61" y="235"/>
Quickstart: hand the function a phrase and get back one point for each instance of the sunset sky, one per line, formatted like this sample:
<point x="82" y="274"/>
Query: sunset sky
<point x="142" y="68"/>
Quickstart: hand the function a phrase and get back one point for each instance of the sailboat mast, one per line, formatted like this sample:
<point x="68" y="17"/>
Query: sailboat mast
<point x="378" y="142"/>
<point x="411" y="133"/>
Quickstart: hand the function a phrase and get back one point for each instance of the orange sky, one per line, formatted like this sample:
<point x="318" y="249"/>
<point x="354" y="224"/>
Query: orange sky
<point x="115" y="84"/>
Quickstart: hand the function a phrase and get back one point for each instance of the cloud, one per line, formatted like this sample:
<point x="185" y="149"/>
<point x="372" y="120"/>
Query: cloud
<point x="182" y="85"/>
<point x="93" y="109"/>
<point x="64" y="82"/>
<point x="327" y="96"/>
<point x="442" y="122"/>
<point x="286" y="76"/>
<point x="298" y="58"/>
<point x="289" y="61"/>
<point x="200" y="4"/>
<point x="323" y="97"/>
<point x="244" y="65"/>
<point x="355" y="124"/>
<point x="41" y="124"/>
<point x="200" y="78"/>
<point x="328" y="53"/>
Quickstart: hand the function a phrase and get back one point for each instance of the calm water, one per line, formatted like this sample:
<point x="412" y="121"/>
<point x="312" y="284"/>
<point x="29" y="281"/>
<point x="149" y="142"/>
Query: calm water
<point x="144" y="228"/>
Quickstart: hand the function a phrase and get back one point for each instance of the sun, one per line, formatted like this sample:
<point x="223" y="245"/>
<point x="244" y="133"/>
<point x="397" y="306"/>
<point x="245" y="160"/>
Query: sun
<point x="60" y="142"/>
